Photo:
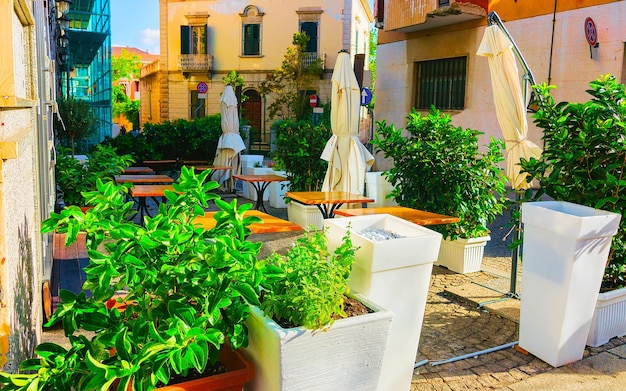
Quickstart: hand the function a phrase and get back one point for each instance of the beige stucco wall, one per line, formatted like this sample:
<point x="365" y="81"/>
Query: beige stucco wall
<point x="21" y="259"/>
<point x="572" y="67"/>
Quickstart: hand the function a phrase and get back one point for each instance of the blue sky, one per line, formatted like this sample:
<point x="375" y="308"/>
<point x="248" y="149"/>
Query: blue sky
<point x="135" y="23"/>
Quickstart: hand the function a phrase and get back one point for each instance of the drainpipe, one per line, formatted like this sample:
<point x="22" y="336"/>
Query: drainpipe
<point x="552" y="42"/>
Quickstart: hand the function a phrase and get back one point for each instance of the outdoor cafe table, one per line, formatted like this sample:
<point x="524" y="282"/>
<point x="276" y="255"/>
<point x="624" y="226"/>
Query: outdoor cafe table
<point x="327" y="201"/>
<point x="260" y="183"/>
<point x="269" y="223"/>
<point x="416" y="216"/>
<point x="138" y="170"/>
<point x="143" y="178"/>
<point x="142" y="192"/>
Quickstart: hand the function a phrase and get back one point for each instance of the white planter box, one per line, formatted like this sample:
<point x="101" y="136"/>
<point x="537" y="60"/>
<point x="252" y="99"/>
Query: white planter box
<point x="396" y="274"/>
<point x="565" y="251"/>
<point x="377" y="188"/>
<point x="248" y="190"/>
<point x="609" y="318"/>
<point x="277" y="191"/>
<point x="348" y="356"/>
<point x="305" y="215"/>
<point x="462" y="255"/>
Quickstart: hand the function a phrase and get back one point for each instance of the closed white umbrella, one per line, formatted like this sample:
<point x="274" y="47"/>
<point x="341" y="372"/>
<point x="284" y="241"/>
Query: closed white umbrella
<point x="348" y="159"/>
<point x="510" y="103"/>
<point x="230" y="143"/>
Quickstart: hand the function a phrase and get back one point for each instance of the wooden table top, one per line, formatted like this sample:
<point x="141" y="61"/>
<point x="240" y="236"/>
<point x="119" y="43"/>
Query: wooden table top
<point x="326" y="197"/>
<point x="416" y="216"/>
<point x="159" y="162"/>
<point x="260" y="178"/>
<point x="214" y="168"/>
<point x="138" y="170"/>
<point x="269" y="224"/>
<point x="149" y="190"/>
<point x="143" y="178"/>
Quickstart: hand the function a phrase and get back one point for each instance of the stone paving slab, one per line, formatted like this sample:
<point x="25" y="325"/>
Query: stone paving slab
<point x="489" y="299"/>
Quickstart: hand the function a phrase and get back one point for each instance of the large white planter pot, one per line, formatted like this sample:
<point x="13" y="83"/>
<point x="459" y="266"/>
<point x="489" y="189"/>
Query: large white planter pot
<point x="396" y="274"/>
<point x="305" y="215"/>
<point x="248" y="190"/>
<point x="609" y="318"/>
<point x="277" y="191"/>
<point x="377" y="188"/>
<point x="348" y="356"/>
<point x="565" y="250"/>
<point x="462" y="255"/>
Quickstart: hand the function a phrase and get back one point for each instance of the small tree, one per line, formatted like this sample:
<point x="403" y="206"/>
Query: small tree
<point x="289" y="83"/>
<point x="78" y="121"/>
<point x="125" y="66"/>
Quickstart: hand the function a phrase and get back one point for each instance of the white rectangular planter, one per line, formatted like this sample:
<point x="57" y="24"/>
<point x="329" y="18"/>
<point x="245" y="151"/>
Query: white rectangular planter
<point x="565" y="251"/>
<point x="396" y="274"/>
<point x="377" y="188"/>
<point x="347" y="356"/>
<point x="277" y="191"/>
<point x="609" y="318"/>
<point x="305" y="215"/>
<point x="462" y="255"/>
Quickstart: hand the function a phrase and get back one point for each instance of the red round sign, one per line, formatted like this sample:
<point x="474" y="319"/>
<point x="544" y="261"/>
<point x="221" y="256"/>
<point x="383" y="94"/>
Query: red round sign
<point x="591" y="33"/>
<point x="313" y="100"/>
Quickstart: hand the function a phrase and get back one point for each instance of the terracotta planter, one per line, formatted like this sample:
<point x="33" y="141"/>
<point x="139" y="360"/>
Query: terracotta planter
<point x="240" y="372"/>
<point x="347" y="356"/>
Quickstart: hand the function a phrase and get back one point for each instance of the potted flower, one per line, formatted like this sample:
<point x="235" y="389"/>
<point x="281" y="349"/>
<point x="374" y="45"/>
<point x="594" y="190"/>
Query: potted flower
<point x="74" y="177"/>
<point x="583" y="163"/>
<point x="299" y="146"/>
<point x="438" y="168"/>
<point x="300" y="337"/>
<point x="187" y="296"/>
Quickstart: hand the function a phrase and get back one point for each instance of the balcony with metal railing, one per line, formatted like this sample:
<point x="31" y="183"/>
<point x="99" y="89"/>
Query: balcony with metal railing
<point x="309" y="58"/>
<point x="403" y="16"/>
<point x="195" y="62"/>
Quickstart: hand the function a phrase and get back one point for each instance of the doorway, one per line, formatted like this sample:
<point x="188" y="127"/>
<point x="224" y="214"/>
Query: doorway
<point x="252" y="113"/>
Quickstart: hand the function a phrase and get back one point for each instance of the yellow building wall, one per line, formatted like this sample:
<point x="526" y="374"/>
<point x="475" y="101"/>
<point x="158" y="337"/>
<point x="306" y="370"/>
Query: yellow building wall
<point x="279" y="22"/>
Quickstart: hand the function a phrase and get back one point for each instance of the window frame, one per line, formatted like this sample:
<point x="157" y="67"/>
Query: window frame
<point x="254" y="41"/>
<point x="431" y="75"/>
<point x="251" y="16"/>
<point x="188" y="44"/>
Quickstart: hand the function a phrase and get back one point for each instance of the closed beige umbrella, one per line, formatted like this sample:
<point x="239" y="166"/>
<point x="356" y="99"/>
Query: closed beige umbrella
<point x="348" y="159"/>
<point x="510" y="103"/>
<point x="230" y="143"/>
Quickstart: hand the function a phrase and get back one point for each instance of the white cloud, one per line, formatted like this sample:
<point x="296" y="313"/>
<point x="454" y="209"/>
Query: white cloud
<point x="149" y="39"/>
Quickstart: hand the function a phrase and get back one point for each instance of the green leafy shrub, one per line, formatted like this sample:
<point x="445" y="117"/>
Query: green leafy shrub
<point x="299" y="146"/>
<point x="171" y="140"/>
<point x="73" y="177"/>
<point x="584" y="158"/>
<point x="189" y="292"/>
<point x="312" y="288"/>
<point x="438" y="168"/>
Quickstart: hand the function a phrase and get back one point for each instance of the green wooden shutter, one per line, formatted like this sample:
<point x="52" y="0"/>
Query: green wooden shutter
<point x="184" y="39"/>
<point x="310" y="28"/>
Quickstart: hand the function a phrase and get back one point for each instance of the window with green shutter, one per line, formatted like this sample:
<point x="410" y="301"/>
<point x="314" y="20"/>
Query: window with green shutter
<point x="251" y="39"/>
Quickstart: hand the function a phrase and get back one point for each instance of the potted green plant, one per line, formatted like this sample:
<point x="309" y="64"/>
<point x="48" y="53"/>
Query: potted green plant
<point x="74" y="177"/>
<point x="299" y="146"/>
<point x="76" y="122"/>
<point x="438" y="168"/>
<point x="583" y="162"/>
<point x="300" y="335"/>
<point x="187" y="296"/>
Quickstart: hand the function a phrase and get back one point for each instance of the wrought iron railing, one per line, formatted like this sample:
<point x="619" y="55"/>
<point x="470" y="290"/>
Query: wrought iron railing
<point x="309" y="58"/>
<point x="195" y="62"/>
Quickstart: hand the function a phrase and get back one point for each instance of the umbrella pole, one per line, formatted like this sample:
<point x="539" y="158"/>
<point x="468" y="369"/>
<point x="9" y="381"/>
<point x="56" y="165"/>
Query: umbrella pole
<point x="517" y="235"/>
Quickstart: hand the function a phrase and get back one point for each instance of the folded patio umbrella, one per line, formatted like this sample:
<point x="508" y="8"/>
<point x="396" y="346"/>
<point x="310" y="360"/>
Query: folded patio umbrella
<point x="230" y="143"/>
<point x="348" y="159"/>
<point x="510" y="103"/>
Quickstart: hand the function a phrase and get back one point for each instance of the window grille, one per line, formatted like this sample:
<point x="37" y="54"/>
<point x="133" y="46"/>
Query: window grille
<point x="441" y="83"/>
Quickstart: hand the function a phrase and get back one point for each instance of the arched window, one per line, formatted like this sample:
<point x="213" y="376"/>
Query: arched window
<point x="251" y="22"/>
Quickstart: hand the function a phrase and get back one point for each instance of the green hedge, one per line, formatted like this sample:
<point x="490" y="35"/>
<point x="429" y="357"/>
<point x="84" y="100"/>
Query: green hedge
<point x="170" y="140"/>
